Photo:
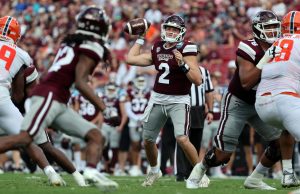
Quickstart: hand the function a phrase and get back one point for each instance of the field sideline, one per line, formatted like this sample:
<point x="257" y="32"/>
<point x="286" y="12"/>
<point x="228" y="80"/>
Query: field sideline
<point x="37" y="184"/>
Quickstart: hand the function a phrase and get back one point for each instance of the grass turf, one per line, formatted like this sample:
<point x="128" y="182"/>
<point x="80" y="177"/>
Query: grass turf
<point x="37" y="184"/>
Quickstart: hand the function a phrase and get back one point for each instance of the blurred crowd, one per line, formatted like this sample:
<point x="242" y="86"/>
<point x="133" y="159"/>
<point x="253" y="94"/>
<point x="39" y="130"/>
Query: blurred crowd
<point x="216" y="26"/>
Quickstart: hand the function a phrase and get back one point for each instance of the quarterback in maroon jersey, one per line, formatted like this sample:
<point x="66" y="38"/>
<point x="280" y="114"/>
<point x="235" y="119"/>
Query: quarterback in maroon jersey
<point x="75" y="60"/>
<point x="176" y="63"/>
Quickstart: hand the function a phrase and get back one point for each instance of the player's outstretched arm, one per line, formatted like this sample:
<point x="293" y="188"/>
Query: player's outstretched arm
<point x="249" y="74"/>
<point x="83" y="69"/>
<point x="135" y="57"/>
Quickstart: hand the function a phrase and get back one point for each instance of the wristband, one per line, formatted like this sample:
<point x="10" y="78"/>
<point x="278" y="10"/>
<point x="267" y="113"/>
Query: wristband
<point x="185" y="68"/>
<point x="210" y="111"/>
<point x="140" y="41"/>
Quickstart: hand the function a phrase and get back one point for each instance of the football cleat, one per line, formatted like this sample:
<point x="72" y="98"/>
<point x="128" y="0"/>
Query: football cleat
<point x="151" y="178"/>
<point x="289" y="179"/>
<point x="94" y="177"/>
<point x="254" y="183"/>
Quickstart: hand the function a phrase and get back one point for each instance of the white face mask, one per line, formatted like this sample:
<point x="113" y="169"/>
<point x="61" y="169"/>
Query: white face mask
<point x="178" y="38"/>
<point x="270" y="35"/>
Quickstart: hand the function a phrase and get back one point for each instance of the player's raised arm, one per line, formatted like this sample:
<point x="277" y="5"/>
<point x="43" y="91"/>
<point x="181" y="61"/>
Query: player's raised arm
<point x="135" y="57"/>
<point x="139" y="27"/>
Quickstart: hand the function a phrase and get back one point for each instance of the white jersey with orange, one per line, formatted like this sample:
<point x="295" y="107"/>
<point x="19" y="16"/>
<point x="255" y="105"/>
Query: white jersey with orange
<point x="12" y="58"/>
<point x="282" y="74"/>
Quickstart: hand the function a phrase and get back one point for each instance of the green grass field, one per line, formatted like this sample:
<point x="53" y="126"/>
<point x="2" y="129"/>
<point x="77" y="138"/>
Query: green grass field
<point x="37" y="184"/>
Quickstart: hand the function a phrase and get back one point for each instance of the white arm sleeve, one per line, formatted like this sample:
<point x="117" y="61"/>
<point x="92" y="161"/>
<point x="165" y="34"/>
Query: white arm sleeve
<point x="129" y="112"/>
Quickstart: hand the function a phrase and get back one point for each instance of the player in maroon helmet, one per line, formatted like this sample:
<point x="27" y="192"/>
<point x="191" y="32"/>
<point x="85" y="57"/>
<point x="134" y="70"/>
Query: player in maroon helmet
<point x="77" y="57"/>
<point x="176" y="63"/>
<point x="238" y="105"/>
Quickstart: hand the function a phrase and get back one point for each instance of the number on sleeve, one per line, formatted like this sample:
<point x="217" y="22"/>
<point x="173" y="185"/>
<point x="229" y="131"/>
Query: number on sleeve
<point x="162" y="78"/>
<point x="7" y="54"/>
<point x="286" y="45"/>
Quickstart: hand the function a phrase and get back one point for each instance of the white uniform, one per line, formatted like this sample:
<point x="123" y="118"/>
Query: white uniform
<point x="12" y="58"/>
<point x="278" y="94"/>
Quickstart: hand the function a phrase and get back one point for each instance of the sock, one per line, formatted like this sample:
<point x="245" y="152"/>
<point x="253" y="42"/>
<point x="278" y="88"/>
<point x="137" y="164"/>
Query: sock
<point x="91" y="165"/>
<point x="287" y="166"/>
<point x="77" y="159"/>
<point x="195" y="174"/>
<point x="259" y="171"/>
<point x="48" y="170"/>
<point x="154" y="169"/>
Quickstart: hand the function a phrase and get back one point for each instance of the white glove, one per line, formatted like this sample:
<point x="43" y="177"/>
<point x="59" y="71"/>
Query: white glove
<point x="272" y="52"/>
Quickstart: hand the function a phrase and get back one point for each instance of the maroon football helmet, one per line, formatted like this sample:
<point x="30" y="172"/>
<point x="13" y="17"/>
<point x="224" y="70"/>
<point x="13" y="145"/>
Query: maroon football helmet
<point x="174" y="21"/>
<point x="266" y="26"/>
<point x="93" y="21"/>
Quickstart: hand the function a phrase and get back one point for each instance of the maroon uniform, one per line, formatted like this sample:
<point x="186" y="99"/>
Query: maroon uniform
<point x="139" y="100"/>
<point x="170" y="79"/>
<point x="250" y="51"/>
<point x="61" y="75"/>
<point x="87" y="110"/>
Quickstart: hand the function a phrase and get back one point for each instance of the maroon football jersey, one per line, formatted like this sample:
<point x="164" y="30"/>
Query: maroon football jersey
<point x="86" y="109"/>
<point x="112" y="104"/>
<point x="250" y="51"/>
<point x="170" y="79"/>
<point x="61" y="74"/>
<point x="139" y="100"/>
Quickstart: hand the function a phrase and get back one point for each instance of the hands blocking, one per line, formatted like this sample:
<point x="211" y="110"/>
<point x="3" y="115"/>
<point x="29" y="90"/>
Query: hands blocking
<point x="273" y="51"/>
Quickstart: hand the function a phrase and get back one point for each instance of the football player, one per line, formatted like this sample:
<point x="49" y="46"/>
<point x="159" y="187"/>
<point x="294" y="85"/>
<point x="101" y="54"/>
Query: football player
<point x="176" y="63"/>
<point x="277" y="98"/>
<point x="138" y="97"/>
<point x="78" y="55"/>
<point x="238" y="105"/>
<point x="115" y="101"/>
<point x="15" y="62"/>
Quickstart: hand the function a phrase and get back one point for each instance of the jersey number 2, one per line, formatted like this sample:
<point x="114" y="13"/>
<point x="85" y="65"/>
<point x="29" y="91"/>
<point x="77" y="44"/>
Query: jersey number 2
<point x="7" y="54"/>
<point x="162" y="78"/>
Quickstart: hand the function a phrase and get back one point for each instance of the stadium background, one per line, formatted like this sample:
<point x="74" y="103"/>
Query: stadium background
<point x="215" y="25"/>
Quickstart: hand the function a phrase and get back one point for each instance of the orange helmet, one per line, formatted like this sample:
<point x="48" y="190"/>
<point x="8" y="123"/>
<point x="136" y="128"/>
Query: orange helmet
<point x="290" y="23"/>
<point x="10" y="28"/>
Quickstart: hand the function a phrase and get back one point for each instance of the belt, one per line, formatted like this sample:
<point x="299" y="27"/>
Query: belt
<point x="285" y="93"/>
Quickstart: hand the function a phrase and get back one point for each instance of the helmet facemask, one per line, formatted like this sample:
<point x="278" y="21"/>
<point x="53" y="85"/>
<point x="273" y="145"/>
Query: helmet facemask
<point x="178" y="38"/>
<point x="268" y="31"/>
